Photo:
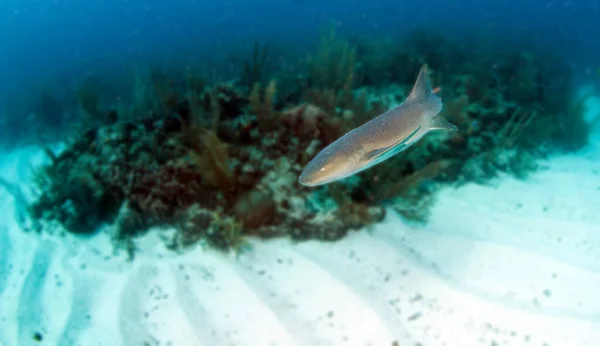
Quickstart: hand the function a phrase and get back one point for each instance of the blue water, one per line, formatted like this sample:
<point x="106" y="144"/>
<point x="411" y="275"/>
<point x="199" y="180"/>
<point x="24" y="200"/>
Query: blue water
<point x="528" y="244"/>
<point x="46" y="40"/>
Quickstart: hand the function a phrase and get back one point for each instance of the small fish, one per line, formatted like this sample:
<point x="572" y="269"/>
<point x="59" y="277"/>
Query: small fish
<point x="379" y="138"/>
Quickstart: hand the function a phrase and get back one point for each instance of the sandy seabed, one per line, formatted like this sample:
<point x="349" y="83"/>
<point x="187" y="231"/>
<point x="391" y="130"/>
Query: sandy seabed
<point x="513" y="263"/>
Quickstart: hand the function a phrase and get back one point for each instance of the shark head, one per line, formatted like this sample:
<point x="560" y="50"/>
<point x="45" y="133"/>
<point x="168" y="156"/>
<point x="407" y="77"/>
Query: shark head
<point x="333" y="163"/>
<point x="325" y="168"/>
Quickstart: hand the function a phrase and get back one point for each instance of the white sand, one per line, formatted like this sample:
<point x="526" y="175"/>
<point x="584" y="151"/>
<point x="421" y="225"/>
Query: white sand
<point x="514" y="265"/>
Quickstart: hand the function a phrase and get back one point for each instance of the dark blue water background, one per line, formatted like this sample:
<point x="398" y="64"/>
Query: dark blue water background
<point x="46" y="41"/>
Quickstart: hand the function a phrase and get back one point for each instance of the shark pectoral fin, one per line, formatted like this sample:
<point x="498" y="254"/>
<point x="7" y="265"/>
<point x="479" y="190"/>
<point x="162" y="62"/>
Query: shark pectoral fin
<point x="439" y="123"/>
<point x="376" y="152"/>
<point x="381" y="154"/>
<point x="378" y="155"/>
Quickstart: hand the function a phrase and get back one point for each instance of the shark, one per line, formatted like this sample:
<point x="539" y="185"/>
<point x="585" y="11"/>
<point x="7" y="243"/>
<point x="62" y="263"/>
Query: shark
<point x="381" y="137"/>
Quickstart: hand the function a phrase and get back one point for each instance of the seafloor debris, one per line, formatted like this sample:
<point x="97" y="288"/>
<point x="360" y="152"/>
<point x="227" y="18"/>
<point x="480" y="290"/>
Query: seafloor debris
<point x="221" y="162"/>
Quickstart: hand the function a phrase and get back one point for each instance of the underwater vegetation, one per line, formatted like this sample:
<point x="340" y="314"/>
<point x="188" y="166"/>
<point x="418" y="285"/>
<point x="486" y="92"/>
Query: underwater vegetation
<point x="218" y="162"/>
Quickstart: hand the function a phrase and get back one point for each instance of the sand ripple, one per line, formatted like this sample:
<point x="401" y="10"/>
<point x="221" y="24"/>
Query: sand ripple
<point x="516" y="265"/>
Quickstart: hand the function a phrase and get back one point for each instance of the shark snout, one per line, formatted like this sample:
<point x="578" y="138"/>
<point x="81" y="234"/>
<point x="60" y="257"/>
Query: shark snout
<point x="312" y="176"/>
<point x="320" y="171"/>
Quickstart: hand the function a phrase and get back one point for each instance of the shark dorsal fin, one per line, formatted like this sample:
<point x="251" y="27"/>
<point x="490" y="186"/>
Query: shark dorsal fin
<point x="422" y="88"/>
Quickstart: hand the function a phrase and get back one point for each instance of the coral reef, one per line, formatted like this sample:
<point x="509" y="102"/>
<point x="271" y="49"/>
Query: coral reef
<point x="171" y="170"/>
<point x="220" y="162"/>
